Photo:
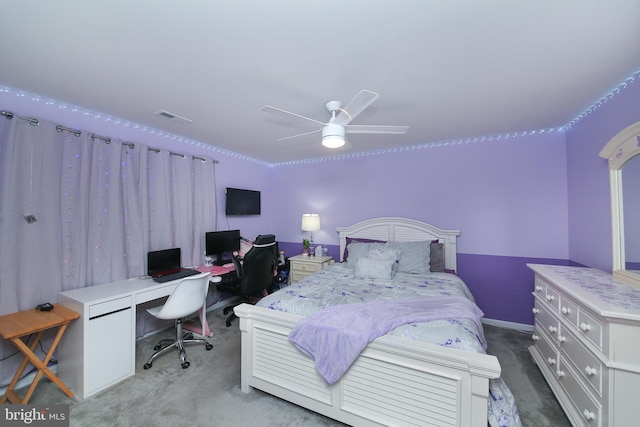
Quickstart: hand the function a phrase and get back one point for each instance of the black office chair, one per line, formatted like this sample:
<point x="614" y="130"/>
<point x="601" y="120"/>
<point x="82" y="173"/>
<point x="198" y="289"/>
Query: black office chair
<point x="255" y="273"/>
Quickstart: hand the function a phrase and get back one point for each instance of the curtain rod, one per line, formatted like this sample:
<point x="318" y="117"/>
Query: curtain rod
<point x="9" y="115"/>
<point x="34" y="122"/>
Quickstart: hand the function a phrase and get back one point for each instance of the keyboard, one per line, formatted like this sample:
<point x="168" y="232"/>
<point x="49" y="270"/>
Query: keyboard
<point x="175" y="276"/>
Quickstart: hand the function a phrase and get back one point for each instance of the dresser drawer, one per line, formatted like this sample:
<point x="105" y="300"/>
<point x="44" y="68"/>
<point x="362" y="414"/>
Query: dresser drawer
<point x="540" y="287"/>
<point x="587" y="406"/>
<point x="584" y="362"/>
<point x="546" y="349"/>
<point x="569" y="310"/>
<point x="546" y="321"/>
<point x="552" y="298"/>
<point x="590" y="327"/>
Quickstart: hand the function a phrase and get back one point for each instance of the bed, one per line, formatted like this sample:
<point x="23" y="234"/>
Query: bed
<point x="394" y="380"/>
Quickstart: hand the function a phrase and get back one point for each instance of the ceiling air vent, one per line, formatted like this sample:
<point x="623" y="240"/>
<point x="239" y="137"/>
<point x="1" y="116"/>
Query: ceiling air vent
<point x="173" y="117"/>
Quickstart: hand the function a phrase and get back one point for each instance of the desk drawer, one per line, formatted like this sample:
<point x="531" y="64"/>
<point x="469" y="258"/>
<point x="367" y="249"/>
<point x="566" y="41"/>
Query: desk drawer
<point x="107" y="307"/>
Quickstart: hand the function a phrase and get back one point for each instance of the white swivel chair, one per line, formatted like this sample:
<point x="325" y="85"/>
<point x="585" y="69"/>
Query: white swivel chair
<point x="187" y="298"/>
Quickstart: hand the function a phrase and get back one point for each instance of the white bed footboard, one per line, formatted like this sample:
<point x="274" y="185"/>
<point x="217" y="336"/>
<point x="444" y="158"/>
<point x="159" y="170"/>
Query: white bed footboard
<point x="395" y="381"/>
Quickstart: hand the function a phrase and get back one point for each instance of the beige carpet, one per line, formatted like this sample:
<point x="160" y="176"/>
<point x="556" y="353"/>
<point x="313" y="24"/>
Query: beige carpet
<point x="208" y="392"/>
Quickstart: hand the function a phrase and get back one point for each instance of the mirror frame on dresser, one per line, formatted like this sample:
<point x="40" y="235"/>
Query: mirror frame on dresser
<point x="618" y="151"/>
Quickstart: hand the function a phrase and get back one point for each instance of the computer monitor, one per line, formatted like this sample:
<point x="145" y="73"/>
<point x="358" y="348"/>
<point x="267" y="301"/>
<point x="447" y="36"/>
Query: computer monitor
<point x="221" y="244"/>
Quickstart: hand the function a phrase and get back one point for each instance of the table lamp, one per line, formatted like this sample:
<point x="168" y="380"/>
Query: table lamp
<point x="310" y="223"/>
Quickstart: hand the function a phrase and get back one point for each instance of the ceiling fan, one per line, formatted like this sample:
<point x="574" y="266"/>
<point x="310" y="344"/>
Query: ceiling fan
<point x="333" y="131"/>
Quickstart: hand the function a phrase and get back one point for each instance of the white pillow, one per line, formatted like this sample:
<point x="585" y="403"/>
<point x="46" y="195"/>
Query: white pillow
<point x="375" y="268"/>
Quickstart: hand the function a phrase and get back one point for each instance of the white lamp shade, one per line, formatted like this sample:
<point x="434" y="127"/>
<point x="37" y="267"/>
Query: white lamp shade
<point x="310" y="222"/>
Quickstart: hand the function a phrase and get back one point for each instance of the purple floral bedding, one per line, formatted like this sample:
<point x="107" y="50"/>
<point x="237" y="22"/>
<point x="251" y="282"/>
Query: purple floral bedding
<point x="337" y="284"/>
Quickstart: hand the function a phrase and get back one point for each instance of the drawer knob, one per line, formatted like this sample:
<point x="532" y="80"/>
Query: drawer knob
<point x="553" y="329"/>
<point x="535" y="337"/>
<point x="589" y="415"/>
<point x="538" y="288"/>
<point x="585" y="327"/>
<point x="535" y="310"/>
<point x="551" y="361"/>
<point x="549" y="297"/>
<point x="566" y="310"/>
<point x="560" y="373"/>
<point x="590" y="371"/>
<point x="561" y="338"/>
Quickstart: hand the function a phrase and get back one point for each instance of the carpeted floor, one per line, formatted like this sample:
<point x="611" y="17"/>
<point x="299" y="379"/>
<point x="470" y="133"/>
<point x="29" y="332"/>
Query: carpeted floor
<point x="208" y="392"/>
<point x="536" y="403"/>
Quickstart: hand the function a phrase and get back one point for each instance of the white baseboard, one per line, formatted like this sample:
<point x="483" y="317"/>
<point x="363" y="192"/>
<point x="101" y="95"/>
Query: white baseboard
<point x="509" y="325"/>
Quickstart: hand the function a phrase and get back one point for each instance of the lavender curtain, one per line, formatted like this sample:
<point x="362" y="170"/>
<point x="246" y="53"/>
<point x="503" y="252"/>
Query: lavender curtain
<point x="99" y="207"/>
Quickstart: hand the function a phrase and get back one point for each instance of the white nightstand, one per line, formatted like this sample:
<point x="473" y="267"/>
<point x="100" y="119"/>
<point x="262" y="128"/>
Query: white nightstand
<point x="302" y="266"/>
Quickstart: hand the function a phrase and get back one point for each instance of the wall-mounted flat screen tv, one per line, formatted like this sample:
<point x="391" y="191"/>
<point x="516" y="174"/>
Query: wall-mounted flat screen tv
<point x="242" y="202"/>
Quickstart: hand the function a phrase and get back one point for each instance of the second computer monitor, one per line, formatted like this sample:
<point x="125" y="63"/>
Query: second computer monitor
<point x="222" y="244"/>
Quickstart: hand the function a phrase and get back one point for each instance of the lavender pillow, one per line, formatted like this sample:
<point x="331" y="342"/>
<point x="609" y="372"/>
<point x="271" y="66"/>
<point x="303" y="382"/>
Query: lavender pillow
<point x="437" y="257"/>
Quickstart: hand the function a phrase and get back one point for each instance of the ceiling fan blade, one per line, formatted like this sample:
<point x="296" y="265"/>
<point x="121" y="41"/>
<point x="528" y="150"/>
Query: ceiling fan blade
<point x="300" y="134"/>
<point x="270" y="109"/>
<point x="358" y="104"/>
<point x="376" y="129"/>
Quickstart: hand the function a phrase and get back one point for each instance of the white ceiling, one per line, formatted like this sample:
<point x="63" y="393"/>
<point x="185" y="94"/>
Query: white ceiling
<point x="447" y="69"/>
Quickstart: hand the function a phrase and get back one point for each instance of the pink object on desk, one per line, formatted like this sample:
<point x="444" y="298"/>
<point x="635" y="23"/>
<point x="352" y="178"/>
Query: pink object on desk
<point x="215" y="270"/>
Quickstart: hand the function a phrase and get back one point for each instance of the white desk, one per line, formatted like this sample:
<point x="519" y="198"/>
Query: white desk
<point x="98" y="350"/>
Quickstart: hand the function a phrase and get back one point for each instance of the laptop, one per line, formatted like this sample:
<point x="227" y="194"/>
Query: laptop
<point x="166" y="265"/>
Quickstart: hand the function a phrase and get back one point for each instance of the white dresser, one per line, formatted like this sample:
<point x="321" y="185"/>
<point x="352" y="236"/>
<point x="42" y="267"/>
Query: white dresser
<point x="587" y="344"/>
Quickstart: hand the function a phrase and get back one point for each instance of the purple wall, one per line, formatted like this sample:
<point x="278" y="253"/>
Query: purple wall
<point x="502" y="196"/>
<point x="588" y="177"/>
<point x="541" y="198"/>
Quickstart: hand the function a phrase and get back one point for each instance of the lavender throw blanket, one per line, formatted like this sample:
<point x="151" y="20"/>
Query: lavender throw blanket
<point x="335" y="337"/>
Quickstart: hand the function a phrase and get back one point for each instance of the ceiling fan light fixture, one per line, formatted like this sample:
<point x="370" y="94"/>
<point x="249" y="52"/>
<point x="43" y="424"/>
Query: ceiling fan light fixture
<point x="333" y="136"/>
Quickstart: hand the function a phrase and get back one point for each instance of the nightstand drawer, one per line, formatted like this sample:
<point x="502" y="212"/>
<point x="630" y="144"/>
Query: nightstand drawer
<point x="297" y="276"/>
<point x="303" y="266"/>
<point x="306" y="267"/>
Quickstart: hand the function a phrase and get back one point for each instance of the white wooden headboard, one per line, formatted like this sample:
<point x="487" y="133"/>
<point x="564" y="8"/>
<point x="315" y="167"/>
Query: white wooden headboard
<point x="402" y="230"/>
